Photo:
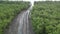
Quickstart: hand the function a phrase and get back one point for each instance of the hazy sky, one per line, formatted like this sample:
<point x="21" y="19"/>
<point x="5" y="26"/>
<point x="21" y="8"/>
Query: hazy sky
<point x="34" y="0"/>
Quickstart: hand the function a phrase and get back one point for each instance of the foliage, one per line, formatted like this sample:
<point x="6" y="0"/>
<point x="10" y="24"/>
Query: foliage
<point x="45" y="17"/>
<point x="8" y="10"/>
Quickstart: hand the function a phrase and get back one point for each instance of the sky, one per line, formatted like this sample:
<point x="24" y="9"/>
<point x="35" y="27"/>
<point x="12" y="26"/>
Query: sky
<point x="34" y="0"/>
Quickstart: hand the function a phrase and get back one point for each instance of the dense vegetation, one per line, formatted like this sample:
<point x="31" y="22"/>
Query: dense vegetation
<point x="8" y="10"/>
<point x="45" y="17"/>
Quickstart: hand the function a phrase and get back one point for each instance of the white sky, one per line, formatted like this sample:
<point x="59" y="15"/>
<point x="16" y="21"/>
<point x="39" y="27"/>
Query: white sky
<point x="33" y="0"/>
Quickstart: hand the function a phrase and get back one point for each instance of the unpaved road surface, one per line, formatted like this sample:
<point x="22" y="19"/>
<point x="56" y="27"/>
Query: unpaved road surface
<point x="21" y="24"/>
<point x="24" y="24"/>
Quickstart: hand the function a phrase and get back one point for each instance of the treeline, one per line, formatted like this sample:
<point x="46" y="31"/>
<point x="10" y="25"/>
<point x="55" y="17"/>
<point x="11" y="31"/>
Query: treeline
<point x="8" y="10"/>
<point x="45" y="17"/>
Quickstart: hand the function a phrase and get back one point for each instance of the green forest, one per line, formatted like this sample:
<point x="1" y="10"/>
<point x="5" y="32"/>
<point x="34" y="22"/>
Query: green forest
<point x="8" y="10"/>
<point x="45" y="17"/>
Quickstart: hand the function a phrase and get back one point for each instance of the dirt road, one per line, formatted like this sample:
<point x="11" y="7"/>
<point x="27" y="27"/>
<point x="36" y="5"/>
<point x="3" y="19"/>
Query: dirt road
<point x="20" y="25"/>
<point x="24" y="25"/>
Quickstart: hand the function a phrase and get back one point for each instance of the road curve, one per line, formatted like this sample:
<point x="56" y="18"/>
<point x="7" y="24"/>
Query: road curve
<point x="24" y="23"/>
<point x="20" y="25"/>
